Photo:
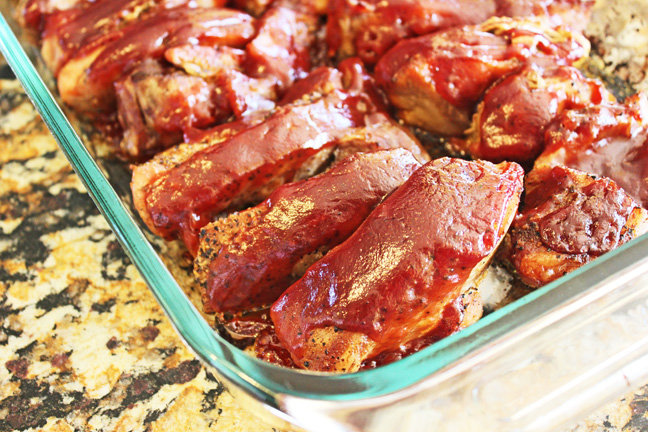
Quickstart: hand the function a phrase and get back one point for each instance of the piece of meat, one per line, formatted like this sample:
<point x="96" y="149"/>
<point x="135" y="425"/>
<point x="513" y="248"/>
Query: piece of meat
<point x="282" y="47"/>
<point x="568" y="218"/>
<point x="435" y="81"/>
<point x="92" y="24"/>
<point x="248" y="96"/>
<point x="255" y="8"/>
<point x="277" y="56"/>
<point x="257" y="331"/>
<point x="260" y="156"/>
<point x="226" y="67"/>
<point x="32" y="13"/>
<point x="206" y="61"/>
<point x="259" y="7"/>
<point x="156" y="105"/>
<point x="273" y="60"/>
<point x="217" y="235"/>
<point x="389" y="283"/>
<point x="510" y="121"/>
<point x="86" y="81"/>
<point x="570" y="13"/>
<point x="380" y="132"/>
<point x="163" y="162"/>
<point x="320" y="82"/>
<point x="369" y="28"/>
<point x="609" y="140"/>
<point x="251" y="269"/>
<point x="288" y="41"/>
<point x="247" y="167"/>
<point x="458" y="314"/>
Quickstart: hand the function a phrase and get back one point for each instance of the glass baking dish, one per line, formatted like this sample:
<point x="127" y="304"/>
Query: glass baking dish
<point x="537" y="364"/>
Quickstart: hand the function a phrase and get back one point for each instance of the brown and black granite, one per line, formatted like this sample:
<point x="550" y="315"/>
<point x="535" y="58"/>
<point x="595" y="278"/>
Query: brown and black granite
<point x="83" y="344"/>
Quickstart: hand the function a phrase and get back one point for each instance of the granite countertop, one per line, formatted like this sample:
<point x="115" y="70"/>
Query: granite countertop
<point x="83" y="344"/>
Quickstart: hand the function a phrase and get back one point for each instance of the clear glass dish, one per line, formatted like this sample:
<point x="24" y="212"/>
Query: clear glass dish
<point x="536" y="364"/>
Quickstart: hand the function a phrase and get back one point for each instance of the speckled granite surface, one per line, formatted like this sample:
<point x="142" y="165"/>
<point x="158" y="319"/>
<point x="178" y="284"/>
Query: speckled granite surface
<point x="83" y="344"/>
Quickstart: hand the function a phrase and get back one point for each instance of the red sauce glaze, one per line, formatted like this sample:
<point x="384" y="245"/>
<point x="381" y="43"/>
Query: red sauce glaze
<point x="515" y="112"/>
<point x="449" y="323"/>
<point x="255" y="328"/>
<point x="607" y="140"/>
<point x="301" y="218"/>
<point x="108" y="124"/>
<point x="394" y="276"/>
<point x="220" y="132"/>
<point x="87" y="27"/>
<point x="520" y="8"/>
<point x="187" y="197"/>
<point x="35" y="12"/>
<point x="149" y="38"/>
<point x="258" y="327"/>
<point x="572" y="13"/>
<point x="577" y="218"/>
<point x="282" y="47"/>
<point x="568" y="218"/>
<point x="321" y="80"/>
<point x="373" y="27"/>
<point x="356" y="78"/>
<point x="377" y="25"/>
<point x="463" y="62"/>
<point x="155" y="105"/>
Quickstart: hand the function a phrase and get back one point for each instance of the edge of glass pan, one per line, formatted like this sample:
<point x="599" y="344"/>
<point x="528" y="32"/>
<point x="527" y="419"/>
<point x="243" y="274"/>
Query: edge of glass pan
<point x="262" y="380"/>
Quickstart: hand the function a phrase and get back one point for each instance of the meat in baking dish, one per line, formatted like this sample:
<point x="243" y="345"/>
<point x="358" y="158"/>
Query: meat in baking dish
<point x="343" y="173"/>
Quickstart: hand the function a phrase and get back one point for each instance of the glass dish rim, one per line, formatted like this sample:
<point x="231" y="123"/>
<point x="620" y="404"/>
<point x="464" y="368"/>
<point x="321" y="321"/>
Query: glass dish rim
<point x="263" y="380"/>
